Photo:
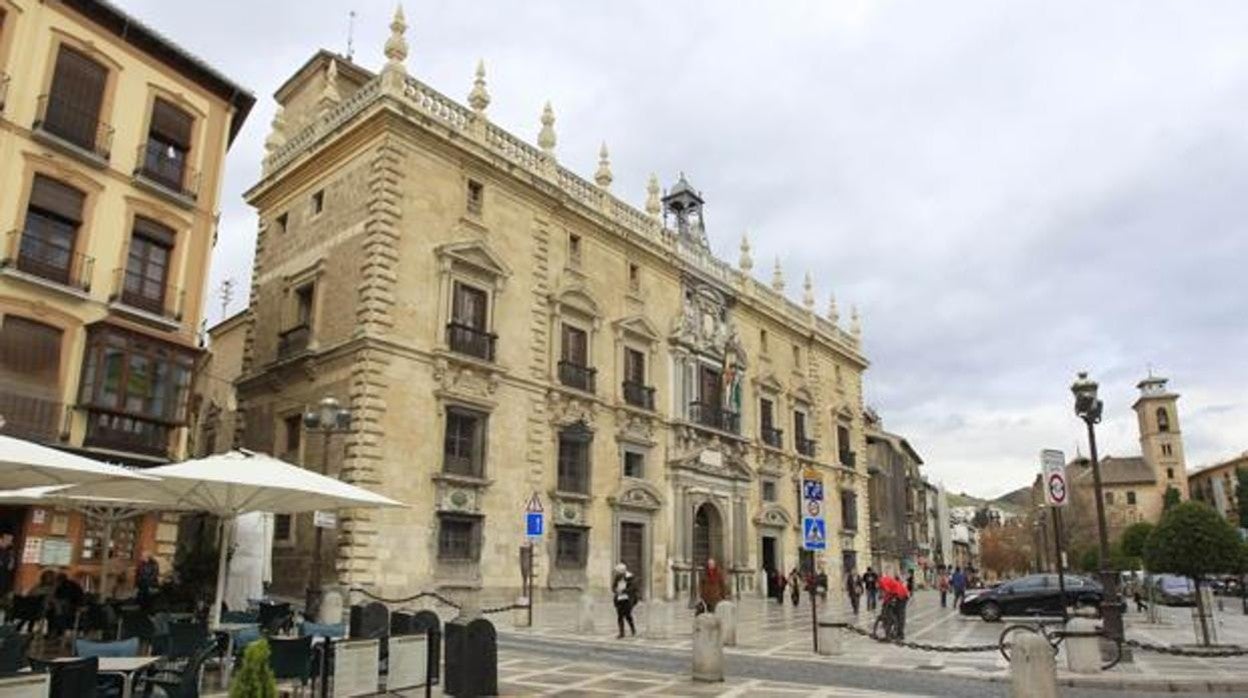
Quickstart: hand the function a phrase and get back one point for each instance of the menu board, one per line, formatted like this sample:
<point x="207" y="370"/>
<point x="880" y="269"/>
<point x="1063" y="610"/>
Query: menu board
<point x="32" y="550"/>
<point x="357" y="668"/>
<point x="57" y="552"/>
<point x="408" y="656"/>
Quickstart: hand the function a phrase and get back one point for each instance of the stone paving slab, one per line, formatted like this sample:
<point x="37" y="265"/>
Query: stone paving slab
<point x="784" y="632"/>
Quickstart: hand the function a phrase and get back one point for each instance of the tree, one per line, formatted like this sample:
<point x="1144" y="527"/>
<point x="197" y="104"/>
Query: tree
<point x="1241" y="495"/>
<point x="1088" y="559"/>
<point x="1005" y="549"/>
<point x="1194" y="541"/>
<point x="1171" y="499"/>
<point x="1131" y="544"/>
<point x="255" y="679"/>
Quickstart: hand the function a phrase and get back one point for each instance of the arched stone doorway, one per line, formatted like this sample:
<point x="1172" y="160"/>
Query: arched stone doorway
<point x="708" y="535"/>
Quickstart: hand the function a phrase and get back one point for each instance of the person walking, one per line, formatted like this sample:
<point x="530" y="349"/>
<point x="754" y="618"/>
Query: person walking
<point x="910" y="581"/>
<point x="795" y="585"/>
<point x="8" y="567"/>
<point x="853" y="587"/>
<point x="870" y="584"/>
<point x="821" y="584"/>
<point x="779" y="582"/>
<point x="714" y="588"/>
<point x="958" y="582"/>
<point x="146" y="579"/>
<point x="942" y="584"/>
<point x="624" y="587"/>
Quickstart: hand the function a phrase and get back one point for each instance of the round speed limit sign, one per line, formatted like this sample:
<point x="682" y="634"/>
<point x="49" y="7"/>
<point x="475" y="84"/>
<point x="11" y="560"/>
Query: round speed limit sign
<point x="1057" y="489"/>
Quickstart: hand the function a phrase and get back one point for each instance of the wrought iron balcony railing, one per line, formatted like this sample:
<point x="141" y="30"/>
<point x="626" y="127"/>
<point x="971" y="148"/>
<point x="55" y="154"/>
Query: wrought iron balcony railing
<point x="35" y="253"/>
<point x="577" y="376"/>
<point x="143" y="293"/>
<point x="715" y="417"/>
<point x="293" y="340"/>
<point x="72" y="124"/>
<point x="465" y="339"/>
<point x="848" y="459"/>
<point x="772" y="437"/>
<point x="805" y="446"/>
<point x="638" y="395"/>
<point x="166" y="167"/>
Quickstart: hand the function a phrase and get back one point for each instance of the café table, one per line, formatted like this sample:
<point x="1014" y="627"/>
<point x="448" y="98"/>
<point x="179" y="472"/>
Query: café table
<point x="125" y="667"/>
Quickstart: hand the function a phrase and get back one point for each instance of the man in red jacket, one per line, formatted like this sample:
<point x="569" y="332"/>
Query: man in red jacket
<point x="896" y="595"/>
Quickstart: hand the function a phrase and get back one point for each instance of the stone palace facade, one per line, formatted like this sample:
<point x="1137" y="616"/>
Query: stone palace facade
<point x="500" y="328"/>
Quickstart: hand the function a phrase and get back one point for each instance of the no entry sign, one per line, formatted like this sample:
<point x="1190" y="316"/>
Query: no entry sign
<point x="1056" y="489"/>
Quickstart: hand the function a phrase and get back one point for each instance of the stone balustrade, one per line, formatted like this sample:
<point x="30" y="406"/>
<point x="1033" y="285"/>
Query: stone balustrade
<point x="451" y="114"/>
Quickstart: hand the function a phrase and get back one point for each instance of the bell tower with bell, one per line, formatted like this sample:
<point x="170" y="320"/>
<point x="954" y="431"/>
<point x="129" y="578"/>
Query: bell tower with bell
<point x="684" y="204"/>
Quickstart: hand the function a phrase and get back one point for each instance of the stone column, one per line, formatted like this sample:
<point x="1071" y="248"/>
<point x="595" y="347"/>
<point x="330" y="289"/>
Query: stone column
<point x="1033" y="669"/>
<point x="726" y="611"/>
<point x="708" y="653"/>
<point x="1083" y="652"/>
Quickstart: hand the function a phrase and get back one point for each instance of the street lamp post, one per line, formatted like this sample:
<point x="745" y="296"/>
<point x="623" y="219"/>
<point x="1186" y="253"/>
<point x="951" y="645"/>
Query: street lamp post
<point x="1088" y="407"/>
<point x="329" y="418"/>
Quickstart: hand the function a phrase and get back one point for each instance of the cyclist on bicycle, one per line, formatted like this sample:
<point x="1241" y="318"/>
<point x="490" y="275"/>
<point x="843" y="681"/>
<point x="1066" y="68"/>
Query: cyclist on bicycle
<point x="896" y="595"/>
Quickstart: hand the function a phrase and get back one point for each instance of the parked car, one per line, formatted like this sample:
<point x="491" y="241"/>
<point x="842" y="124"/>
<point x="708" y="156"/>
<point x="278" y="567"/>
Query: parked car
<point x="1173" y="590"/>
<point x="1035" y="594"/>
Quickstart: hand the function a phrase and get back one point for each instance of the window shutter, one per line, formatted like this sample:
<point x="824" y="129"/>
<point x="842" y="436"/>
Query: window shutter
<point x="56" y="198"/>
<point x="79" y="83"/>
<point x="153" y="231"/>
<point x="171" y="125"/>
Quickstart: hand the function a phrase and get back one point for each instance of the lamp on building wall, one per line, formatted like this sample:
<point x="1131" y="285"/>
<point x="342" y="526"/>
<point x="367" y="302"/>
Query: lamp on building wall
<point x="1088" y="407"/>
<point x="329" y="418"/>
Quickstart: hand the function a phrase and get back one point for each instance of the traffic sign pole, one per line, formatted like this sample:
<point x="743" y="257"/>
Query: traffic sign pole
<point x="1057" y="544"/>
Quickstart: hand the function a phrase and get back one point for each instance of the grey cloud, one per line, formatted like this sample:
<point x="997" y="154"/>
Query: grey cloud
<point x="1011" y="191"/>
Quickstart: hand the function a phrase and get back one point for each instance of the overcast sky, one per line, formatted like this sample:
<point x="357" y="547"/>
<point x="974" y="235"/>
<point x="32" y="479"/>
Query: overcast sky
<point x="1009" y="191"/>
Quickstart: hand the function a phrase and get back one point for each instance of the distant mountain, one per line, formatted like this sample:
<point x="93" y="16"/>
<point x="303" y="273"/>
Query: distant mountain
<point x="1016" y="501"/>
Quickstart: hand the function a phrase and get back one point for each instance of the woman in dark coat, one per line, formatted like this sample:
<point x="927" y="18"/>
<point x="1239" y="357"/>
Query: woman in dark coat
<point x="624" y="592"/>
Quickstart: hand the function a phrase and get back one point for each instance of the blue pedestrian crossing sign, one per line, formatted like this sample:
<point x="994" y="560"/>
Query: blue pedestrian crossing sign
<point x="533" y="524"/>
<point x="814" y="533"/>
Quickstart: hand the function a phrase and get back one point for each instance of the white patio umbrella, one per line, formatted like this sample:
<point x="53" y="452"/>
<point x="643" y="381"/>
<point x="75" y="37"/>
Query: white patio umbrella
<point x="27" y="464"/>
<point x="234" y="483"/>
<point x="107" y="511"/>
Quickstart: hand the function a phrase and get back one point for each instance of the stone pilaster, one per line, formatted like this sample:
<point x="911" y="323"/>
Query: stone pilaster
<point x="357" y="542"/>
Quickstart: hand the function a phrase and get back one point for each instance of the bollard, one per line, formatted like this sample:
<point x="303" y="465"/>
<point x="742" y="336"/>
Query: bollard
<point x="520" y="615"/>
<point x="1083" y="651"/>
<point x="831" y="635"/>
<point x="708" y="653"/>
<point x="330" y="612"/>
<point x="1033" y="669"/>
<point x="585" y="614"/>
<point x="726" y="612"/>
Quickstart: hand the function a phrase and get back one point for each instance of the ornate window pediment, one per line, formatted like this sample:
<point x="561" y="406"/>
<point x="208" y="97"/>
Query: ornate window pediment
<point x="769" y="383"/>
<point x="637" y="326"/>
<point x="636" y="494"/>
<point x="802" y="395"/>
<point x="577" y="298"/>
<point x="476" y="256"/>
<point x="772" y="514"/>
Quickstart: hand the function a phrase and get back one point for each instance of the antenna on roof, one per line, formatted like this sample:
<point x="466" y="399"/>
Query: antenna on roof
<point x="351" y="35"/>
<point x="1150" y="369"/>
<point x="226" y="292"/>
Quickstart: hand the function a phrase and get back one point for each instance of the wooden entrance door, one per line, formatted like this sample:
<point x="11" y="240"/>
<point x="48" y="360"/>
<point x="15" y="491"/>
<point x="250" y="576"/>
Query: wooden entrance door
<point x="632" y="552"/>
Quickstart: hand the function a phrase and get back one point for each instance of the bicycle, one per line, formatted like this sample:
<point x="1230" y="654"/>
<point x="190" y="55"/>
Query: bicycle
<point x="1054" y="637"/>
<point x="885" y="627"/>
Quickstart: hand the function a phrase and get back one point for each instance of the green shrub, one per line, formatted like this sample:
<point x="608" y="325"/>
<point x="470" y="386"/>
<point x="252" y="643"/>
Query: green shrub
<point x="255" y="678"/>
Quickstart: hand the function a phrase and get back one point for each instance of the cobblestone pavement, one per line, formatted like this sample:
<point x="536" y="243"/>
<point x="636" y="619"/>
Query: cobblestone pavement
<point x="766" y="629"/>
